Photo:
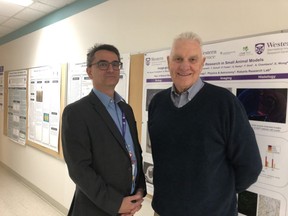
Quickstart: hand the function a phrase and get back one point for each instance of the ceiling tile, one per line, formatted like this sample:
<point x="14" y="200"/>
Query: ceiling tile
<point x="29" y="14"/>
<point x="42" y="7"/>
<point x="14" y="23"/>
<point x="3" y="19"/>
<point x="57" y="3"/>
<point x="5" y="30"/>
<point x="7" y="9"/>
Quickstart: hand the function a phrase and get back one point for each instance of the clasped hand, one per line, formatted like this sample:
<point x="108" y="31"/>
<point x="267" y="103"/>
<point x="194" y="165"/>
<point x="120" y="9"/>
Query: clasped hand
<point x="131" y="204"/>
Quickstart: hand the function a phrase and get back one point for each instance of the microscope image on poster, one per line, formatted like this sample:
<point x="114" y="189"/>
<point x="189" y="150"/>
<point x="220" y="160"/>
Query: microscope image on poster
<point x="148" y="171"/>
<point x="269" y="105"/>
<point x="148" y="143"/>
<point x="150" y="95"/>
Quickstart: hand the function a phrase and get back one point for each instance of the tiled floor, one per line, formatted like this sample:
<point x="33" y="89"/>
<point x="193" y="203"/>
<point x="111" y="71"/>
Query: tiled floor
<point x="18" y="200"/>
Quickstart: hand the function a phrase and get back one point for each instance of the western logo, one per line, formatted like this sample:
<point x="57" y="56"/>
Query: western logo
<point x="259" y="48"/>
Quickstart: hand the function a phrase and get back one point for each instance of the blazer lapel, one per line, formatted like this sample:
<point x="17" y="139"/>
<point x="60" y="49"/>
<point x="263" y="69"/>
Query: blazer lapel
<point x="131" y="122"/>
<point x="104" y="114"/>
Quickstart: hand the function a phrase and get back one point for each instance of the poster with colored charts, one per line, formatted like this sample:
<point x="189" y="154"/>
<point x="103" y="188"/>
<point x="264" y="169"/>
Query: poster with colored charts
<point x="255" y="69"/>
<point x="44" y="106"/>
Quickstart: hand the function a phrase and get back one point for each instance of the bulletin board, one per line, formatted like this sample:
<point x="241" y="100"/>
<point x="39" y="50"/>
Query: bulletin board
<point x="58" y="153"/>
<point x="135" y="95"/>
<point x="48" y="118"/>
<point x="135" y="100"/>
<point x="136" y="88"/>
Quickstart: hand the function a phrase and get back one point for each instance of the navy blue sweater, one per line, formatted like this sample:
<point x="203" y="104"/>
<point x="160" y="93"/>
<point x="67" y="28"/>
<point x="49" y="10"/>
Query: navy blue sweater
<point x="203" y="153"/>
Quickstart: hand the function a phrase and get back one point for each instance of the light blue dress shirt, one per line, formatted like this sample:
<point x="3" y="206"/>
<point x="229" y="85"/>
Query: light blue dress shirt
<point x="116" y="113"/>
<point x="182" y="99"/>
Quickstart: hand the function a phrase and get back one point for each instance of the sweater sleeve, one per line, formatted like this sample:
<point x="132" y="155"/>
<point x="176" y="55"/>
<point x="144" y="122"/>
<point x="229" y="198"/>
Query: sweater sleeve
<point x="242" y="149"/>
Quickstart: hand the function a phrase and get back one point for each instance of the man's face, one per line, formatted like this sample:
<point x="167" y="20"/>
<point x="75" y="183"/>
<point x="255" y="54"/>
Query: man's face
<point x="104" y="79"/>
<point x="185" y="63"/>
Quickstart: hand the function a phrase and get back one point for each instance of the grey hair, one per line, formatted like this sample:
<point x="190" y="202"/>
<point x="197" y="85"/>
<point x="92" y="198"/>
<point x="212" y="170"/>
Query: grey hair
<point x="189" y="36"/>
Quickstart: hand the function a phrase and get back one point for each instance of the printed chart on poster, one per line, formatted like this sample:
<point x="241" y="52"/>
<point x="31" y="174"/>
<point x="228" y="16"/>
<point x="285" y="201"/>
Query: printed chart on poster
<point x="16" y="121"/>
<point x="80" y="85"/>
<point x="44" y="106"/>
<point x="255" y="69"/>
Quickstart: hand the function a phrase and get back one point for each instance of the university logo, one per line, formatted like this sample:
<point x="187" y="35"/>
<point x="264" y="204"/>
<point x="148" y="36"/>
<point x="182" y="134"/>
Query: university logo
<point x="259" y="48"/>
<point x="147" y="60"/>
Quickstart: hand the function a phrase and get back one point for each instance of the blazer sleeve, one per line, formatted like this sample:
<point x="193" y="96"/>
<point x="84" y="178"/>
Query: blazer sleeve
<point x="77" y="153"/>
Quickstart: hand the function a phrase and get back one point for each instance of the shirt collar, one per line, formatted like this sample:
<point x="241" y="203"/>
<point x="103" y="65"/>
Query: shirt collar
<point x="192" y="91"/>
<point x="105" y="99"/>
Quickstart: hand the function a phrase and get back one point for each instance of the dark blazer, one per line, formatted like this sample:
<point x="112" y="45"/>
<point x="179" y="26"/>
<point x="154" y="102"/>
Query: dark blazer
<point x="96" y="156"/>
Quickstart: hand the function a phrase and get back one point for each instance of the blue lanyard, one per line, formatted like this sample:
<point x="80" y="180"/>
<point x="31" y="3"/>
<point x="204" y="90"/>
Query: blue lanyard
<point x="123" y="124"/>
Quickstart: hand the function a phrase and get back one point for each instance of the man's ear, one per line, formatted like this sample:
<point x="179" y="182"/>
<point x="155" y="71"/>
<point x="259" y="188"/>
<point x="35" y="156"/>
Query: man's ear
<point x="168" y="61"/>
<point x="203" y="61"/>
<point x="89" y="72"/>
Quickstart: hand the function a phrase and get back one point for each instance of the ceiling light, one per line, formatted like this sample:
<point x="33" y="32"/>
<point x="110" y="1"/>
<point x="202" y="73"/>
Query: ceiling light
<point x="20" y="2"/>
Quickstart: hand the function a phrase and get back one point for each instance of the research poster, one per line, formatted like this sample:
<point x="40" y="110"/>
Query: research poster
<point x="80" y="85"/>
<point x="1" y="88"/>
<point x="255" y="69"/>
<point x="16" y="125"/>
<point x="44" y="106"/>
<point x="156" y="77"/>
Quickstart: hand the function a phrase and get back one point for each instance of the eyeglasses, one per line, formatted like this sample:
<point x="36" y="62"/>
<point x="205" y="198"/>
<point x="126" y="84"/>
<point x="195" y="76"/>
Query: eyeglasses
<point x="104" y="65"/>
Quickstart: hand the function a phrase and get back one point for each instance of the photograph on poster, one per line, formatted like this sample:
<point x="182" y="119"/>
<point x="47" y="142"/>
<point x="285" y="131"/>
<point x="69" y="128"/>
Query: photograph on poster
<point x="269" y="105"/>
<point x="247" y="203"/>
<point x="150" y="94"/>
<point x="252" y="204"/>
<point x="148" y="170"/>
<point x="148" y="143"/>
<point x="268" y="206"/>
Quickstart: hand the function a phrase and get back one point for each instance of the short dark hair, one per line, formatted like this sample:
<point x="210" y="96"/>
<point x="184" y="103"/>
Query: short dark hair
<point x="97" y="47"/>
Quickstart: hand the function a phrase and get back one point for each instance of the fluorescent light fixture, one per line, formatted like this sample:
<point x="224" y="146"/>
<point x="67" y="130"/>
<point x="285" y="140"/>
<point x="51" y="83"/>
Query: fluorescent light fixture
<point x="20" y="2"/>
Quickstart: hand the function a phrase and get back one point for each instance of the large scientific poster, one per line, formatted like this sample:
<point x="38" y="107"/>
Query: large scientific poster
<point x="44" y="106"/>
<point x="16" y="118"/>
<point x="255" y="69"/>
<point x="80" y="85"/>
<point x="156" y="78"/>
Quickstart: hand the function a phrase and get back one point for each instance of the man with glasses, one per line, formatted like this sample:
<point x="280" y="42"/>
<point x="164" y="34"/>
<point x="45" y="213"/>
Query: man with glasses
<point x="100" y="143"/>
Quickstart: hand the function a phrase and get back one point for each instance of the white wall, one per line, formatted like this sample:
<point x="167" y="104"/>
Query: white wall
<point x="133" y="26"/>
